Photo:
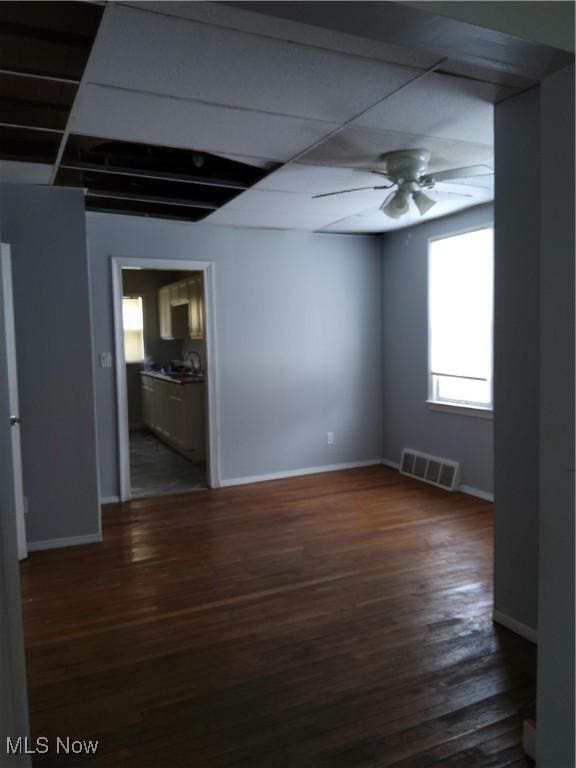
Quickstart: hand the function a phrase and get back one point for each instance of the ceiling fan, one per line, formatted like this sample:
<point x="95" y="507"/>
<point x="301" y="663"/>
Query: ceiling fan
<point x="406" y="169"/>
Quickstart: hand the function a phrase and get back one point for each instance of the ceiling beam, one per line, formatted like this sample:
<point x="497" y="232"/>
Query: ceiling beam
<point x="162" y="213"/>
<point x="21" y="126"/>
<point x="138" y="198"/>
<point x="50" y="106"/>
<point x="28" y="74"/>
<point x="157" y="175"/>
<point x="46" y="35"/>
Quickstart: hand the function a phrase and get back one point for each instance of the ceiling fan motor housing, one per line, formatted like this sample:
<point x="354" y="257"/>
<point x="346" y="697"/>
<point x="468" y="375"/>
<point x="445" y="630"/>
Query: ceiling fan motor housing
<point x="406" y="164"/>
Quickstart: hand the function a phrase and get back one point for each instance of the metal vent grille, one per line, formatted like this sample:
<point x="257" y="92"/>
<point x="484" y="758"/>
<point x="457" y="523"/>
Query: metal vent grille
<point x="420" y="465"/>
<point x="408" y="463"/>
<point x="431" y="469"/>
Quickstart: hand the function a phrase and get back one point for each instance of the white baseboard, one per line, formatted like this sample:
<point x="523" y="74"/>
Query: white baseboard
<point x="297" y="473"/>
<point x="68" y="541"/>
<point x="468" y="489"/>
<point x="528" y="633"/>
<point x="109" y="499"/>
<point x="486" y="495"/>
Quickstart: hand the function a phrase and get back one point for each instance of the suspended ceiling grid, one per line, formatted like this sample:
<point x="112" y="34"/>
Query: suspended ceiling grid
<point x="206" y="111"/>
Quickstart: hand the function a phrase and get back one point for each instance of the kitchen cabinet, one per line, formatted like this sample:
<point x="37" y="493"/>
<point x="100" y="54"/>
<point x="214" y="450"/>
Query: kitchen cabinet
<point x="184" y="293"/>
<point x="195" y="308"/>
<point x="175" y="413"/>
<point x="164" y="310"/>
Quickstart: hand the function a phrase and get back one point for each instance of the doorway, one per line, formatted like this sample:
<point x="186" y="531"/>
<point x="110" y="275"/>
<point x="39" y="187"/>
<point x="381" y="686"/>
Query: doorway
<point x="165" y="376"/>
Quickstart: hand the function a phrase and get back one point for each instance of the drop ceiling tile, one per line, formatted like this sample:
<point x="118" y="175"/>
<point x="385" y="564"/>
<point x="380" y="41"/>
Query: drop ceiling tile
<point x="358" y="212"/>
<point x="365" y="225"/>
<point x="221" y="66"/>
<point x="265" y="219"/>
<point x="223" y="15"/>
<point x="442" y="106"/>
<point x="256" y="162"/>
<point x="294" y="209"/>
<point x="125" y="115"/>
<point x="482" y="182"/>
<point x="316" y="180"/>
<point x="377" y="222"/>
<point x="362" y="148"/>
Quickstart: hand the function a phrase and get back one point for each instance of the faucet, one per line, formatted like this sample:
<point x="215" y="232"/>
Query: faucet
<point x="189" y="354"/>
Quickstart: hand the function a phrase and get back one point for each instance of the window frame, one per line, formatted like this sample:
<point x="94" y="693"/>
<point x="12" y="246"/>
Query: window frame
<point x="453" y="406"/>
<point x="134" y="362"/>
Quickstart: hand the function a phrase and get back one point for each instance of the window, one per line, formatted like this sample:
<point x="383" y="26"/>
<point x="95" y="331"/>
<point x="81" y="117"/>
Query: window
<point x="133" y="322"/>
<point x="460" y="298"/>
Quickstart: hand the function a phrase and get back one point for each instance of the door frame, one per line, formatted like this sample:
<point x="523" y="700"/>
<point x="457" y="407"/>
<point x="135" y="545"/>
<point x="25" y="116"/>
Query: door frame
<point x="12" y="379"/>
<point x="14" y="708"/>
<point x="210" y="364"/>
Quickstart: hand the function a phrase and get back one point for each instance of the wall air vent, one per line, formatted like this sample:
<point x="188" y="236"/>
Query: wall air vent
<point x="431" y="469"/>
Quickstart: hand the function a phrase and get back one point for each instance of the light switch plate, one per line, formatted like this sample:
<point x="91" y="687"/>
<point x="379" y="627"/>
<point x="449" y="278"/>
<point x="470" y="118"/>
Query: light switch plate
<point x="105" y="359"/>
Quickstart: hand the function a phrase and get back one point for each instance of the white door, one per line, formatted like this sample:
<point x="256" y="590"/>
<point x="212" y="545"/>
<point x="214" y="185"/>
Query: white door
<point x="12" y="377"/>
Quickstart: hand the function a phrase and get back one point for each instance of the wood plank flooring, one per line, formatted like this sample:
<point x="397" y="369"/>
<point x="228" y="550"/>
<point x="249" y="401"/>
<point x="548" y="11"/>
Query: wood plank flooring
<point x="334" y="621"/>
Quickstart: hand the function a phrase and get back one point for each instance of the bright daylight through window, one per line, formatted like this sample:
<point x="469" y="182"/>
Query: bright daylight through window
<point x="133" y="322"/>
<point x="460" y="300"/>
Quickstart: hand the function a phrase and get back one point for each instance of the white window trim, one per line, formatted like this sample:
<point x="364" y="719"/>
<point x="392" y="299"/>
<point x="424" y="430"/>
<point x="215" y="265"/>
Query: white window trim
<point x="447" y="406"/>
<point x="476" y="411"/>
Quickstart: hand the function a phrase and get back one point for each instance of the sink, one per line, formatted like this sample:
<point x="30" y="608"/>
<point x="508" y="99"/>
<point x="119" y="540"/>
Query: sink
<point x="186" y="376"/>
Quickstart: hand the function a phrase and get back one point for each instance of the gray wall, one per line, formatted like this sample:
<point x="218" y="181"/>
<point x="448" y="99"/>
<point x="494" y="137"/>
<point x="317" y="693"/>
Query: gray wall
<point x="408" y="421"/>
<point x="46" y="228"/>
<point x="556" y="605"/>
<point x="516" y="356"/>
<point x="298" y="335"/>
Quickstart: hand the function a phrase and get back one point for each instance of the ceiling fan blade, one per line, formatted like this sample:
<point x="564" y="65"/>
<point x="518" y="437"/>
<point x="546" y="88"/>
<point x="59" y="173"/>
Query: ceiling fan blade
<point x="449" y="192"/>
<point x="458" y="173"/>
<point x="345" y="191"/>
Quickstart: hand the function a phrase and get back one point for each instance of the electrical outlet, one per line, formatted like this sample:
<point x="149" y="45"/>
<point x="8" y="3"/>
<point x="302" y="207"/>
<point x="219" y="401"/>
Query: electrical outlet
<point x="330" y="438"/>
<point x="105" y="359"/>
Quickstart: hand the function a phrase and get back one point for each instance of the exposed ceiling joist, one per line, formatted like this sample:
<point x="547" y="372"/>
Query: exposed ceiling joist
<point x="69" y="39"/>
<point x="44" y="47"/>
<point x="144" y="179"/>
<point x="156" y="175"/>
<point x="36" y="75"/>
<point x="155" y="200"/>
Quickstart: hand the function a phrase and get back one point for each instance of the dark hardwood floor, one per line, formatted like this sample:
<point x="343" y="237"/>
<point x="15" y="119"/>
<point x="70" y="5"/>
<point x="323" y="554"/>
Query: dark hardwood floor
<point x="338" y="620"/>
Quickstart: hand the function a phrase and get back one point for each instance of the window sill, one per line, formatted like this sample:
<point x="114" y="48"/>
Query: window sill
<point x="463" y="410"/>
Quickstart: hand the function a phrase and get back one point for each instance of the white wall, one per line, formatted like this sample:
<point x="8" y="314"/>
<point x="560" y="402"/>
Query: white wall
<point x="298" y="335"/>
<point x="408" y="420"/>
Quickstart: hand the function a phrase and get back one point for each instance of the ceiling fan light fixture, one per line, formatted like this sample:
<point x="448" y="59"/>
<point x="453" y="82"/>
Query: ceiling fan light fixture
<point x="397" y="204"/>
<point x="423" y="202"/>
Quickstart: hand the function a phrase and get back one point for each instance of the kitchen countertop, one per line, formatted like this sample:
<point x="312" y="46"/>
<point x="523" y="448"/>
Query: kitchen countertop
<point x="174" y="378"/>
